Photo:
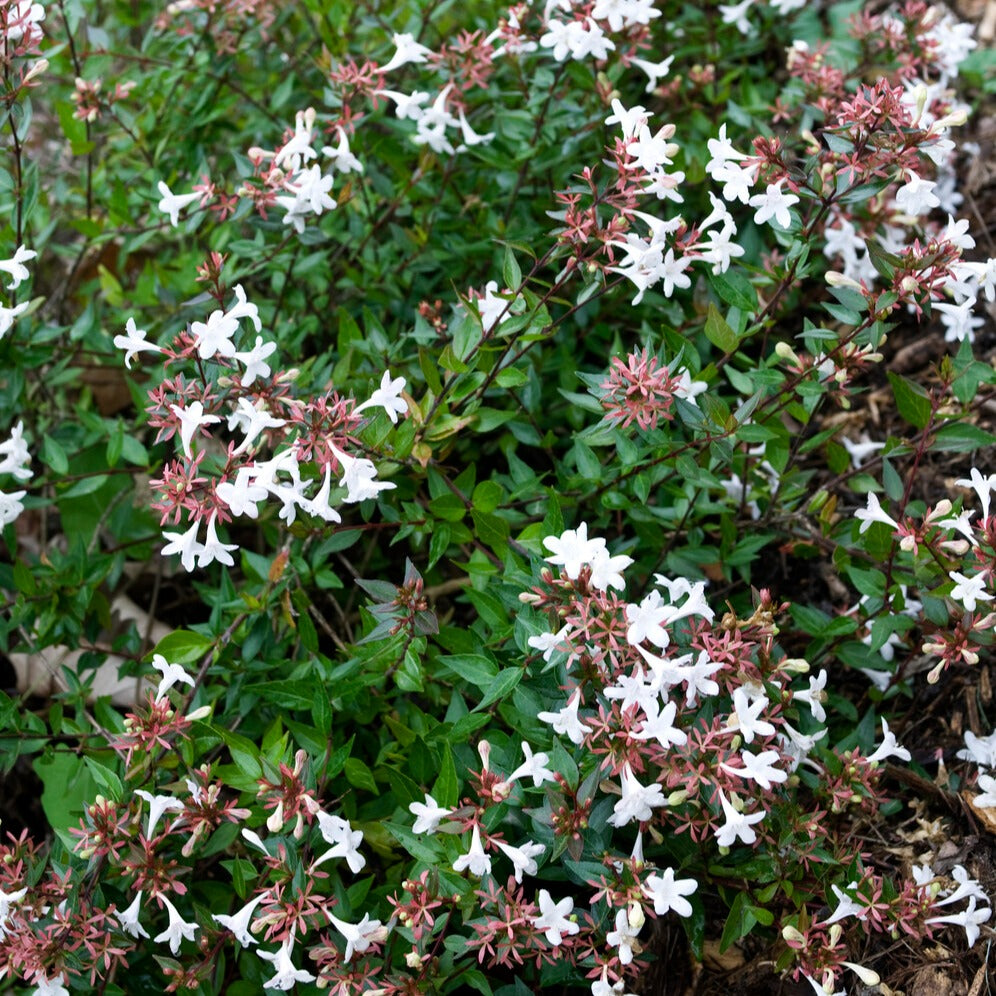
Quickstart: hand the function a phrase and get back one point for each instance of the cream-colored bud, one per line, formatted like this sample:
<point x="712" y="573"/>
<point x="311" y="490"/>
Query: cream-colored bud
<point x="275" y="822"/>
<point x="678" y="797"/>
<point x="866" y="975"/>
<point x="794" y="665"/>
<point x="785" y="352"/>
<point x="413" y="959"/>
<point x="635" y="916"/>
<point x="792" y="935"/>
<point x="36" y="70"/>
<point x="201" y="712"/>
<point x="836" y="279"/>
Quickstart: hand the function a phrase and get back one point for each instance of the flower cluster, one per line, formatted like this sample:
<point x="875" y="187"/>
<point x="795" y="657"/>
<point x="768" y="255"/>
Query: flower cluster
<point x="238" y="389"/>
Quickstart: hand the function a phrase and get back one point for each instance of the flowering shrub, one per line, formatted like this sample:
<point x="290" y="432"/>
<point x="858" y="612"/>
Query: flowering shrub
<point x="447" y="546"/>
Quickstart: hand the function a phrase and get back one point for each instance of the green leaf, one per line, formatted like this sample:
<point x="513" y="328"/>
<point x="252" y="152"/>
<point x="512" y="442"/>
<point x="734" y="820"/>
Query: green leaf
<point x="718" y="332"/>
<point x="740" y="922"/>
<point x="475" y="668"/>
<point x="54" y="455"/>
<point x="500" y="687"/>
<point x="962" y="437"/>
<point x="735" y="289"/>
<point x="183" y="646"/>
<point x="912" y="400"/>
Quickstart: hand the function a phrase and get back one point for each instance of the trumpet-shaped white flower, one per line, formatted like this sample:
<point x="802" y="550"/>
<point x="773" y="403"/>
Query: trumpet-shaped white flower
<point x="238" y="923"/>
<point x="668" y="893"/>
<point x="969" y="590"/>
<point x="178" y="927"/>
<point x="553" y="919"/>
<point x="428" y="815"/>
<point x="287" y="976"/>
<point x="874" y="512"/>
<point x="477" y="861"/>
<point x="566" y="722"/>
<point x="172" y="204"/>
<point x="16" y="268"/>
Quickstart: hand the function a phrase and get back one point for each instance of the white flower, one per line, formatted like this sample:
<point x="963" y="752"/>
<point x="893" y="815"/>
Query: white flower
<point x="158" y="804"/>
<point x="178" y="927"/>
<point x="983" y="487"/>
<point x="16" y="268"/>
<point x="344" y="839"/>
<point x="980" y="750"/>
<point x="10" y="506"/>
<point x="659" y="725"/>
<point x="191" y="418"/>
<point x="773" y="204"/>
<point x="814" y="696"/>
<point x="637" y="801"/>
<point x="874" y="513"/>
<point x="213" y="549"/>
<point x="128" y="919"/>
<point x="746" y="716"/>
<point x="572" y="549"/>
<point x="388" y="397"/>
<point x="7" y="316"/>
<point x="917" y="196"/>
<point x="737" y="825"/>
<point x="759" y="768"/>
<point x="172" y="204"/>
<point x="406" y="105"/>
<point x="255" y="360"/>
<point x="535" y="767"/>
<point x="889" y="747"/>
<point x="606" y="570"/>
<point x="668" y="893"/>
<point x="359" y="936"/>
<point x="547" y="643"/>
<point x="171" y="674"/>
<point x="7" y="899"/>
<point x="50" y="987"/>
<point x="623" y="937"/>
<point x="970" y="918"/>
<point x="566" y="722"/>
<point x="553" y="919"/>
<point x="406" y="50"/>
<point x="493" y="309"/>
<point x="185" y="544"/>
<point x="16" y="458"/>
<point x="238" y="923"/>
<point x="969" y="591"/>
<point x="522" y="858"/>
<point x="342" y="158"/>
<point x="287" y="976"/>
<point x="476" y="859"/>
<point x="654" y="70"/>
<point x="428" y="815"/>
<point x="133" y="342"/>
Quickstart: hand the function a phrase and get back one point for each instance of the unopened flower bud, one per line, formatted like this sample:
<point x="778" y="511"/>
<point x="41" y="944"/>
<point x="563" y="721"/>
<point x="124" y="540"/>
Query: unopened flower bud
<point x="866" y="975"/>
<point x="636" y="917"/>
<point x="37" y="69"/>
<point x="413" y="959"/>
<point x="794" y="665"/>
<point x="677" y="798"/>
<point x="835" y="279"/>
<point x="835" y="931"/>
<point x="275" y="821"/>
<point x="909" y="284"/>
<point x="785" y="352"/>
<point x="202" y="712"/>
<point x="792" y="936"/>
<point x="484" y="750"/>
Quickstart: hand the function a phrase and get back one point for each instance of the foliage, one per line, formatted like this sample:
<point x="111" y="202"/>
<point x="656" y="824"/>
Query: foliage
<point x="355" y="483"/>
